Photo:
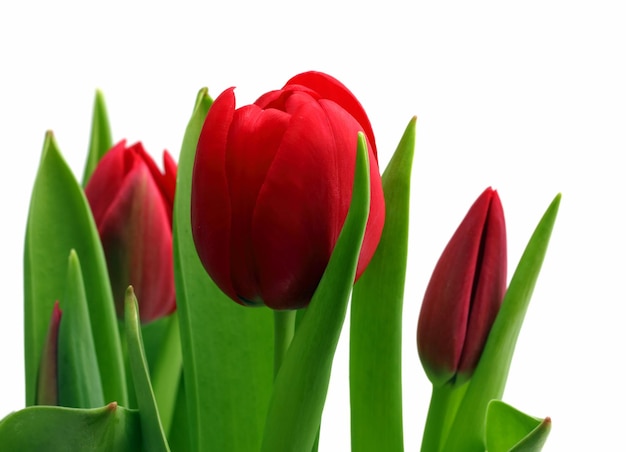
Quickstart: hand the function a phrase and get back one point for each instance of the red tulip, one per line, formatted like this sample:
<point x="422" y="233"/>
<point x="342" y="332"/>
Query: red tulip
<point x="132" y="204"/>
<point x="464" y="294"/>
<point x="271" y="187"/>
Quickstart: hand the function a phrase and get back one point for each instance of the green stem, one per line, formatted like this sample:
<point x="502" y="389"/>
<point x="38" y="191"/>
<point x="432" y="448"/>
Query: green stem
<point x="284" y="327"/>
<point x="444" y="403"/>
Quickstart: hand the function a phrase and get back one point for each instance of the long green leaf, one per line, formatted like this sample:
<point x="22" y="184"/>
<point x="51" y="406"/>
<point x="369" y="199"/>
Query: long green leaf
<point x="487" y="383"/>
<point x="61" y="429"/>
<point x="101" y="139"/>
<point x="151" y="428"/>
<point x="376" y="318"/>
<point x="60" y="220"/>
<point x="227" y="348"/>
<point x="508" y="429"/>
<point x="301" y="385"/>
<point x="80" y="385"/>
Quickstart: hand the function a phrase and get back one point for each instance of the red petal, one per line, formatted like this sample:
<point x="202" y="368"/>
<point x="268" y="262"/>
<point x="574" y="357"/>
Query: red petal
<point x="330" y="88"/>
<point x="210" y="199"/>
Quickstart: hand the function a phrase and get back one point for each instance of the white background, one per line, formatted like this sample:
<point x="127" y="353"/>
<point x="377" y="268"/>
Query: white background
<point x="528" y="97"/>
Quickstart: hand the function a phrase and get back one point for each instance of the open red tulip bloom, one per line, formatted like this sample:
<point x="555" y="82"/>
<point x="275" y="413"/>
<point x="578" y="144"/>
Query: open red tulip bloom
<point x="271" y="188"/>
<point x="132" y="204"/>
<point x="464" y="293"/>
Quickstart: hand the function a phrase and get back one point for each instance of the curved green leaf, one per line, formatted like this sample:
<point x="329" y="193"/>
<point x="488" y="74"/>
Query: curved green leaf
<point x="59" y="429"/>
<point x="489" y="379"/>
<point x="508" y="429"/>
<point x="151" y="428"/>
<point x="300" y="387"/>
<point x="376" y="318"/>
<point x="59" y="220"/>
<point x="227" y="348"/>
<point x="79" y="384"/>
<point x="101" y="139"/>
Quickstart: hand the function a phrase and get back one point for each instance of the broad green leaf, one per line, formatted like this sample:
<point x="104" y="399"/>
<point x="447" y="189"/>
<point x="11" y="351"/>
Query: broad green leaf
<point x="59" y="220"/>
<point x="101" y="139"/>
<point x="489" y="379"/>
<point x="79" y="384"/>
<point x="376" y="318"/>
<point x="151" y="428"/>
<point x="61" y="429"/>
<point x="508" y="429"/>
<point x="227" y="348"/>
<point x="166" y="372"/>
<point x="300" y="388"/>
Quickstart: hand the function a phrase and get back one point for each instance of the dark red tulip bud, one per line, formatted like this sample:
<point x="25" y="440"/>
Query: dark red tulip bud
<point x="464" y="294"/>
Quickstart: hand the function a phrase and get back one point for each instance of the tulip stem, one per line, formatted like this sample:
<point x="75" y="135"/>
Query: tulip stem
<point x="444" y="402"/>
<point x="284" y="327"/>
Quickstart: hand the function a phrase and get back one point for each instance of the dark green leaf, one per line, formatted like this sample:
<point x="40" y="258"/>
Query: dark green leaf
<point x="376" y="318"/>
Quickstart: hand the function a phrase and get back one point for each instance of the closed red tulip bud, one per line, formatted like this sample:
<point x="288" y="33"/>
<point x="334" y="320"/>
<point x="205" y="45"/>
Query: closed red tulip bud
<point x="47" y="378"/>
<point x="132" y="202"/>
<point x="464" y="294"/>
<point x="271" y="187"/>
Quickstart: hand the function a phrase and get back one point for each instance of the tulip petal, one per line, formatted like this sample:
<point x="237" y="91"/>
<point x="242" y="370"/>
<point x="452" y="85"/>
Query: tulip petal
<point x="297" y="211"/>
<point x="254" y="137"/>
<point x="210" y="199"/>
<point x="490" y="286"/>
<point x="330" y="88"/>
<point x="136" y="235"/>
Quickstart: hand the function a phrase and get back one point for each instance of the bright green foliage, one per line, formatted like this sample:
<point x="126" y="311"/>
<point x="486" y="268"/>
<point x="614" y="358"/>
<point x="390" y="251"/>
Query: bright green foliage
<point x="59" y="220"/>
<point x="153" y="435"/>
<point x="508" y="429"/>
<point x="80" y="385"/>
<point x="59" y="429"/>
<point x="376" y="318"/>
<point x="101" y="139"/>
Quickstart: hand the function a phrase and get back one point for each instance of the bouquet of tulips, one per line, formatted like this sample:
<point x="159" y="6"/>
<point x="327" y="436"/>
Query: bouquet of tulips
<point x="198" y="306"/>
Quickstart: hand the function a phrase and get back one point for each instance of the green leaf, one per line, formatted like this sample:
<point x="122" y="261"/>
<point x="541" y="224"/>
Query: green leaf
<point x="301" y="385"/>
<point x="59" y="220"/>
<point x="227" y="348"/>
<point x="80" y="385"/>
<point x="508" y="429"/>
<point x="151" y="428"/>
<point x="376" y="318"/>
<point x="60" y="429"/>
<point x="166" y="371"/>
<point x="101" y="139"/>
<point x="489" y="379"/>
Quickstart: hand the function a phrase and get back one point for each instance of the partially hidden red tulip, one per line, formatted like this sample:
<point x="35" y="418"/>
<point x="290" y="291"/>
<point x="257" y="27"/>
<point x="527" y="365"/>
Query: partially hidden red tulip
<point x="464" y="294"/>
<point x="47" y="377"/>
<point x="271" y="187"/>
<point x="132" y="203"/>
